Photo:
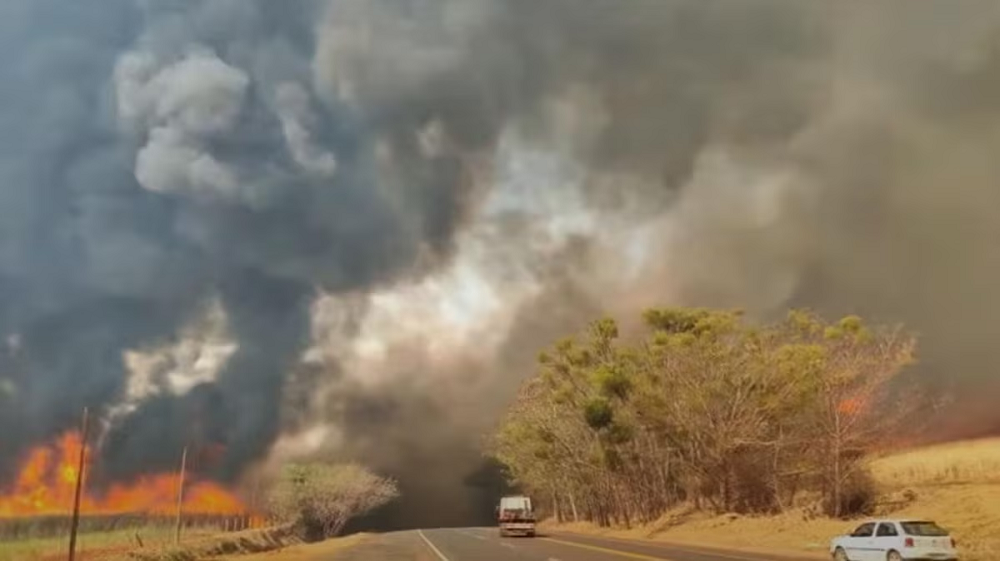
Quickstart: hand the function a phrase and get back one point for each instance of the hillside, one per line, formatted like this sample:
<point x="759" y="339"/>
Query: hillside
<point x="956" y="484"/>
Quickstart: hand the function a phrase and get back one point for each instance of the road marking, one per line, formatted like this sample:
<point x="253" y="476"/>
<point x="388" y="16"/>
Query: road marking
<point x="606" y="550"/>
<point x="507" y="545"/>
<point x="470" y="534"/>
<point x="432" y="546"/>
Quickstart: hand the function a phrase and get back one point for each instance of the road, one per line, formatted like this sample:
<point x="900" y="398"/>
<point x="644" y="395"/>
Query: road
<point x="484" y="544"/>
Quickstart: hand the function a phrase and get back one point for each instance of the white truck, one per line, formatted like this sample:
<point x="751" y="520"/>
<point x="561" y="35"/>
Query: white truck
<point x="895" y="540"/>
<point x="515" y="516"/>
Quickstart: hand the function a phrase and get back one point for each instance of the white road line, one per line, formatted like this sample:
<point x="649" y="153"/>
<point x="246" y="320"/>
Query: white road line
<point x="470" y="534"/>
<point x="432" y="546"/>
<point x="507" y="545"/>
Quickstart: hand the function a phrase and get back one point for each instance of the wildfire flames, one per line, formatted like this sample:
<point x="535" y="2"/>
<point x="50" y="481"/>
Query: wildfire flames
<point x="851" y="406"/>
<point x="46" y="484"/>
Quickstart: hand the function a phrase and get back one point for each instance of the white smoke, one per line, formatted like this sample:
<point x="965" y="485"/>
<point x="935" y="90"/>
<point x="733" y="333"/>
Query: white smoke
<point x="199" y="352"/>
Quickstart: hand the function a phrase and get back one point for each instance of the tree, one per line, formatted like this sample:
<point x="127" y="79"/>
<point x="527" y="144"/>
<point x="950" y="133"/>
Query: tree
<point x="319" y="499"/>
<point x="707" y="407"/>
<point x="854" y="409"/>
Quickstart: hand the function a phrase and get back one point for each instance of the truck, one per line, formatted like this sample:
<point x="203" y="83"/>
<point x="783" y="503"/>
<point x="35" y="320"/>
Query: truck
<point x="515" y="516"/>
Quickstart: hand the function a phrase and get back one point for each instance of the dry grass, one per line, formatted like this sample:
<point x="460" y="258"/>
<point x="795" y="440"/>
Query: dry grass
<point x="93" y="545"/>
<point x="958" y="485"/>
<point x="236" y="543"/>
<point x="970" y="511"/>
<point x="787" y="533"/>
<point x="305" y="552"/>
<point x="157" y="544"/>
<point x="974" y="462"/>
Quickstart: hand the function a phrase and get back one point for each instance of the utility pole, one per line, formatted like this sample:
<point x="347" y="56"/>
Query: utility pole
<point x="180" y="495"/>
<point x="79" y="486"/>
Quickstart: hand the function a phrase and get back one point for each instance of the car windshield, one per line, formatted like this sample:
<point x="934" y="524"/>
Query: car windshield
<point x="923" y="528"/>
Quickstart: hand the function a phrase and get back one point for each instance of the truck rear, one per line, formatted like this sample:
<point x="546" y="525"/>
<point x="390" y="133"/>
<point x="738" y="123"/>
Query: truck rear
<point x="515" y="516"/>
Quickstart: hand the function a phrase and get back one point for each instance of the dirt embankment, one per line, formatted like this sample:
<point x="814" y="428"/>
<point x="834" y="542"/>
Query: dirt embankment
<point x="957" y="485"/>
<point x="237" y="543"/>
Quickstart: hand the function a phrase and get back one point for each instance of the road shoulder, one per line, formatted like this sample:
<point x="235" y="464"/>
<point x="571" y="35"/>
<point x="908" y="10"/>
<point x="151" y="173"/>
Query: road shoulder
<point x="747" y="552"/>
<point x="319" y="551"/>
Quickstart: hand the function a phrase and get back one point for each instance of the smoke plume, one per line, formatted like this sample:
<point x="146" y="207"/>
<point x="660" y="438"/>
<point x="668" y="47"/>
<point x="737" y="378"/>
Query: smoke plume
<point x="346" y="227"/>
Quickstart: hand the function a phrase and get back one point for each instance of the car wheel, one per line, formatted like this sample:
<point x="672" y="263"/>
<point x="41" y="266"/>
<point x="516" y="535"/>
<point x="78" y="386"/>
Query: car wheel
<point x="894" y="556"/>
<point x="840" y="555"/>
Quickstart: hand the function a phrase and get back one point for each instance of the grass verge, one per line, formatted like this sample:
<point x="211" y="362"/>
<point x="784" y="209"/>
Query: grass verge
<point x="149" y="544"/>
<point x="273" y="544"/>
<point x="306" y="552"/>
<point x="235" y="543"/>
<point x="95" y="545"/>
<point x="957" y="484"/>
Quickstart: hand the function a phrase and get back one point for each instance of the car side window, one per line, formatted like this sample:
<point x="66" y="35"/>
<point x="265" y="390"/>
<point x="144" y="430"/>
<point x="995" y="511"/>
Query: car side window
<point x="886" y="530"/>
<point x="864" y="530"/>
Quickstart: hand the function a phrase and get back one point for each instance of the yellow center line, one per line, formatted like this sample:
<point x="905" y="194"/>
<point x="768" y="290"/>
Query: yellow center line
<point x="606" y="550"/>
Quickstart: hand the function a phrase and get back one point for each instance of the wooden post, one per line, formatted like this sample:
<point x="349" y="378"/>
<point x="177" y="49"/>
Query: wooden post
<point x="180" y="496"/>
<point x="75" y="524"/>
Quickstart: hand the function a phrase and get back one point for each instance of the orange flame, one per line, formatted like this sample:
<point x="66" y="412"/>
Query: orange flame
<point x="852" y="406"/>
<point x="46" y="483"/>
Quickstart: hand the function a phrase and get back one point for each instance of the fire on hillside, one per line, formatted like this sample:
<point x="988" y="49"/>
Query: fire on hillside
<point x="46" y="481"/>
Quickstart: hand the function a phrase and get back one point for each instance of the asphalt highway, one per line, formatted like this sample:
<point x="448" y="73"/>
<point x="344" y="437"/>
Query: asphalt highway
<point x="485" y="544"/>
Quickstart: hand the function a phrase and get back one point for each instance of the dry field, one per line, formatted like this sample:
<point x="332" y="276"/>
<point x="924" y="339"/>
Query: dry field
<point x="957" y="484"/>
<point x="93" y="545"/>
<point x="976" y="462"/>
<point x="150" y="543"/>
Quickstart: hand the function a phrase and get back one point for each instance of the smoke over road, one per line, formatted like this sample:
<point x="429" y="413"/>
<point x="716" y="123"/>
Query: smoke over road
<point x="347" y="226"/>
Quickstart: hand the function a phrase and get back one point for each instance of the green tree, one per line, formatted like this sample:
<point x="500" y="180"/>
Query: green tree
<point x="706" y="407"/>
<point x="854" y="405"/>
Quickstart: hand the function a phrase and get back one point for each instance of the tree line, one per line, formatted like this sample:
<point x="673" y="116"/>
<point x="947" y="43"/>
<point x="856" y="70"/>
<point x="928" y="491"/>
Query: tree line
<point x="709" y="409"/>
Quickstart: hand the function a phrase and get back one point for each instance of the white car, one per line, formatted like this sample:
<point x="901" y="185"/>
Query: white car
<point x="895" y="540"/>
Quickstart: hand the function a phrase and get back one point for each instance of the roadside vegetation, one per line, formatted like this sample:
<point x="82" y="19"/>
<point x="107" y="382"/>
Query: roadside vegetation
<point x="956" y="493"/>
<point x="710" y="410"/>
<point x="103" y="538"/>
<point x="955" y="463"/>
<point x="318" y="500"/>
<point x="306" y="503"/>
<point x="707" y="428"/>
<point x="28" y="547"/>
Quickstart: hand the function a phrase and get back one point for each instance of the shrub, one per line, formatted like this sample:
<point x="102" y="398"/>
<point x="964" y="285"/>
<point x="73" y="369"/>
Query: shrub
<point x="319" y="499"/>
<point x="859" y="496"/>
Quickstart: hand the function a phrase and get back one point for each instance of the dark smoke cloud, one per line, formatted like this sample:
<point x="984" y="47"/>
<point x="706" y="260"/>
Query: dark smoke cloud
<point x="779" y="154"/>
<point x="158" y="155"/>
<point x="166" y="155"/>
